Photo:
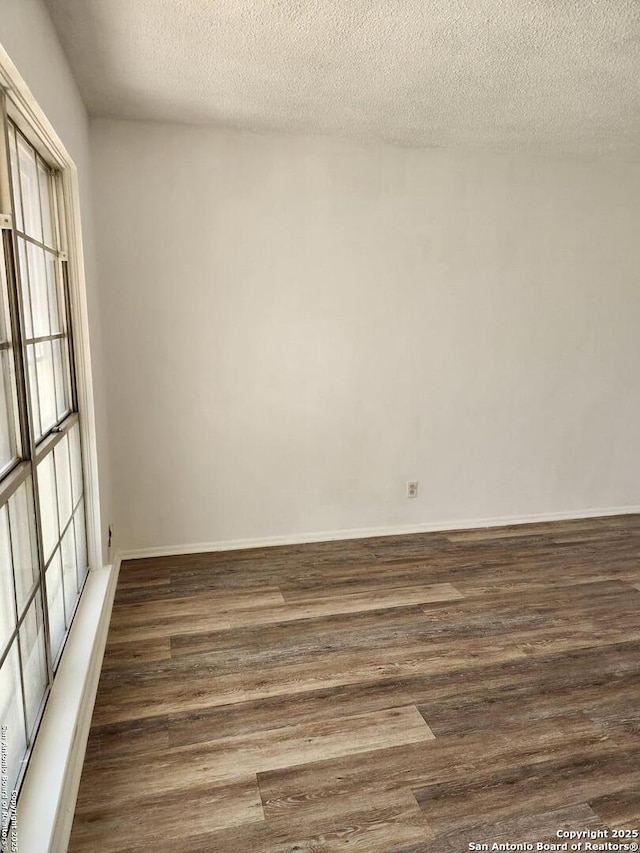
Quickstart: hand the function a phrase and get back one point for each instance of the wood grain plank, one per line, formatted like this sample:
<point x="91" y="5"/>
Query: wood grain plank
<point x="527" y="828"/>
<point x="127" y="654"/>
<point x="367" y="820"/>
<point x="218" y="601"/>
<point x="365" y="595"/>
<point x="534" y="787"/>
<point x="158" y="820"/>
<point x="620" y="810"/>
<point x="310" y="608"/>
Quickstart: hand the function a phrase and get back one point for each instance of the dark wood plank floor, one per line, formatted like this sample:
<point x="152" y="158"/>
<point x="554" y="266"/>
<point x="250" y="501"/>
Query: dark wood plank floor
<point x="411" y="694"/>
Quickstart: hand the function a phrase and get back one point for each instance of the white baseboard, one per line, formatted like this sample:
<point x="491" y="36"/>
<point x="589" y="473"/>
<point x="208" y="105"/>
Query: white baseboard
<point x="365" y="533"/>
<point x="47" y="800"/>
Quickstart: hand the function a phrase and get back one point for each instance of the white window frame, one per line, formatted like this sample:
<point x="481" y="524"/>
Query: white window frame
<point x="27" y="115"/>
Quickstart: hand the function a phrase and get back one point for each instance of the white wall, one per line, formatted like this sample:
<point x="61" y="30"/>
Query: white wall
<point x="297" y="326"/>
<point x="28" y="36"/>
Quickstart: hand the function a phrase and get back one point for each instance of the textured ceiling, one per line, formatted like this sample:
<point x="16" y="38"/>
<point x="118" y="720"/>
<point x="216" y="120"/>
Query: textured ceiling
<point x="552" y="76"/>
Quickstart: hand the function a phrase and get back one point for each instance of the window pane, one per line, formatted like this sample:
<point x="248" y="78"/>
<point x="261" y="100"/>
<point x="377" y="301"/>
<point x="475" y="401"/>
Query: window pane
<point x="54" y="301"/>
<point x="9" y="427"/>
<point x="30" y="189"/>
<point x="69" y="573"/>
<point x="61" y="375"/>
<point x="8" y="410"/>
<point x="39" y="288"/>
<point x="33" y="390"/>
<point x="11" y="715"/>
<point x="48" y="505"/>
<point x="63" y="481"/>
<point x="34" y="662"/>
<point x="46" y="386"/>
<point x="24" y="282"/>
<point x="7" y="605"/>
<point x="15" y="178"/>
<point x="23" y="542"/>
<point x="55" y="604"/>
<point x="76" y="463"/>
<point x="45" y="203"/>
<point x="81" y="544"/>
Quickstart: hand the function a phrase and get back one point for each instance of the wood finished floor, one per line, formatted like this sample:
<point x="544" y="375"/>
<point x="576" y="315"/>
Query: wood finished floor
<point x="407" y="694"/>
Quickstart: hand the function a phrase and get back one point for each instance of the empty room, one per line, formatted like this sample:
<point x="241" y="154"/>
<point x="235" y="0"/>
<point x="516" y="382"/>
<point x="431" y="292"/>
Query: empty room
<point x="319" y="462"/>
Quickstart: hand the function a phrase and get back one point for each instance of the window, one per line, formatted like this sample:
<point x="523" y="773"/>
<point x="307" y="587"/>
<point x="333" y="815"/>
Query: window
<point x="43" y="546"/>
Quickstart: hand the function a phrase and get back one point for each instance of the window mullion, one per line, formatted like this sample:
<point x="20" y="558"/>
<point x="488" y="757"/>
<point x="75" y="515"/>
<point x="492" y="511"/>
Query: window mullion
<point x="17" y="638"/>
<point x="62" y="274"/>
<point x="71" y="355"/>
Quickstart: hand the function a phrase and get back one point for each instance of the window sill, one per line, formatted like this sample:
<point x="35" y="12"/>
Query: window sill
<point x="50" y="788"/>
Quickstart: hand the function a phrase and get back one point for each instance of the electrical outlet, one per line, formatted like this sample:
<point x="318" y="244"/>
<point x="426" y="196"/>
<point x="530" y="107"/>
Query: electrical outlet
<point x="412" y="489"/>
